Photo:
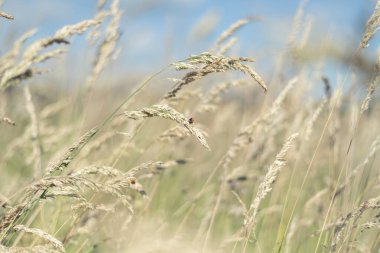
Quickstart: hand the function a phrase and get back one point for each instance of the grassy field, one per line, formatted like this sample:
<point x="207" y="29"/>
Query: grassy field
<point x="205" y="155"/>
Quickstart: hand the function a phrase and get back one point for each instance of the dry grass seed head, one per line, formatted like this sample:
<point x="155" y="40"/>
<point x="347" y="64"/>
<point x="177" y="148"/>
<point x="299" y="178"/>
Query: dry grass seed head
<point x="7" y="120"/>
<point x="213" y="64"/>
<point x="101" y="4"/>
<point x="6" y="15"/>
<point x="372" y="87"/>
<point x="313" y="118"/>
<point x="244" y="137"/>
<point x="232" y="30"/>
<point x="227" y="46"/>
<point x="8" y="60"/>
<point x="23" y="69"/>
<point x="42" y="234"/>
<point x="36" y="154"/>
<point x="71" y="153"/>
<point x="46" y="248"/>
<point x="165" y="111"/>
<point x="354" y="215"/>
<point x="297" y="22"/>
<point x="109" y="45"/>
<point x="210" y="100"/>
<point x="371" y="27"/>
<point x="266" y="185"/>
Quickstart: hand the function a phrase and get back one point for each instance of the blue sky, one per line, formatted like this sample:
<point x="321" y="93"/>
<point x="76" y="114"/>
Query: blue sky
<point x="159" y="31"/>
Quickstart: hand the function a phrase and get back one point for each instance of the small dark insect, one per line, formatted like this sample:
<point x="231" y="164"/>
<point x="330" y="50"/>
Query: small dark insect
<point x="191" y="120"/>
<point x="327" y="86"/>
<point x="133" y="181"/>
<point x="181" y="161"/>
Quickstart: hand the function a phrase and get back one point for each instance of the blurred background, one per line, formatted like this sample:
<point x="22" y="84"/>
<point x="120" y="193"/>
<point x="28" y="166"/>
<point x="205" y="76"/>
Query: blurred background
<point x="155" y="33"/>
